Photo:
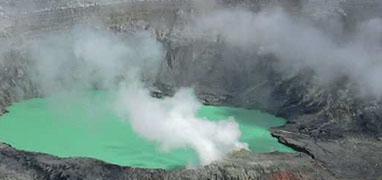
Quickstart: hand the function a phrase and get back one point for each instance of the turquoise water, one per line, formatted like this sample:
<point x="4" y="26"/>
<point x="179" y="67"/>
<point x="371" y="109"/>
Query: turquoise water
<point x="85" y="125"/>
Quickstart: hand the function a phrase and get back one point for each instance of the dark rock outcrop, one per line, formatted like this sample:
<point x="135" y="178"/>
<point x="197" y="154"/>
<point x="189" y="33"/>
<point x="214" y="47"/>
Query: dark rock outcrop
<point x="348" y="157"/>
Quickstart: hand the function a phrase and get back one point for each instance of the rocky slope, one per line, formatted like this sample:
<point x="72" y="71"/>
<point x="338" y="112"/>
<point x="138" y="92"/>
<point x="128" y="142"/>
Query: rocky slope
<point x="242" y="165"/>
<point x="338" y="130"/>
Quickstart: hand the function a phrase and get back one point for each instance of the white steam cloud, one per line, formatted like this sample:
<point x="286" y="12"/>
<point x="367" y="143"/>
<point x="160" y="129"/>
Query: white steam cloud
<point x="172" y="122"/>
<point x="298" y="44"/>
<point x="85" y="59"/>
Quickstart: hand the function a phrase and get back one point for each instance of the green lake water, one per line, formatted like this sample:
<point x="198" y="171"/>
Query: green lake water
<point x="85" y="125"/>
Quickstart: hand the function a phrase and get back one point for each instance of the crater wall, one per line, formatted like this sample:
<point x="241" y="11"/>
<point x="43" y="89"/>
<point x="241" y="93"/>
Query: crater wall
<point x="323" y="119"/>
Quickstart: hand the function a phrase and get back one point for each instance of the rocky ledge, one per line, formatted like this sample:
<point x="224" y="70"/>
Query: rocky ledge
<point x="353" y="157"/>
<point x="20" y="165"/>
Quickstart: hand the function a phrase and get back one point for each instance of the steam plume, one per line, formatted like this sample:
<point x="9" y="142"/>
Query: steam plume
<point x="172" y="122"/>
<point x="298" y="43"/>
<point x="86" y="58"/>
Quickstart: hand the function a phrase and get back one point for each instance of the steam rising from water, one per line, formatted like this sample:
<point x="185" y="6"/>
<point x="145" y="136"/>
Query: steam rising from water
<point x="172" y="122"/>
<point x="86" y="58"/>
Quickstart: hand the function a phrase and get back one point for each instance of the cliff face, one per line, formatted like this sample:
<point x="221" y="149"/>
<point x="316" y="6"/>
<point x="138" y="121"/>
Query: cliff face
<point x="14" y="83"/>
<point x="332" y="123"/>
